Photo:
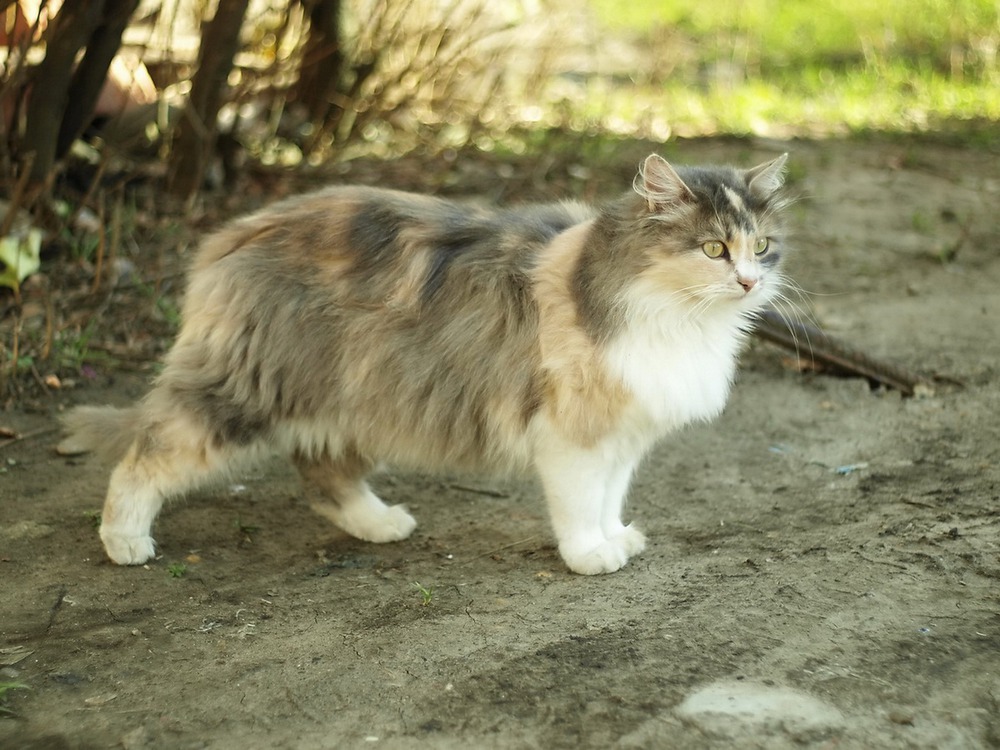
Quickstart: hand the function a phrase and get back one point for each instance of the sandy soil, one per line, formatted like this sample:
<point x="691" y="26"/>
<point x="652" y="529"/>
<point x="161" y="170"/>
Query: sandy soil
<point x="823" y="568"/>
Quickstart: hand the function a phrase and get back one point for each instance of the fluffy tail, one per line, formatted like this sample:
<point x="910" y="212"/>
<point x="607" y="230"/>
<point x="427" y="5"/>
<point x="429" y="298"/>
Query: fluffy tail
<point x="104" y="430"/>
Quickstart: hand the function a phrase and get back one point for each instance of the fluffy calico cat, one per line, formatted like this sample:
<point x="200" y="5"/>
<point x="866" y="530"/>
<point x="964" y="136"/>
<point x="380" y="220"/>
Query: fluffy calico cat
<point x="357" y="326"/>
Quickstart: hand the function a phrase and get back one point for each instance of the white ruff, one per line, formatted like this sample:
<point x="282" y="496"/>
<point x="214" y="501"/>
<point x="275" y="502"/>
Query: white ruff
<point x="678" y="367"/>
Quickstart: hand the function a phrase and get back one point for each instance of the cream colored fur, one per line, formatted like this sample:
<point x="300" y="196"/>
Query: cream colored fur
<point x="355" y="326"/>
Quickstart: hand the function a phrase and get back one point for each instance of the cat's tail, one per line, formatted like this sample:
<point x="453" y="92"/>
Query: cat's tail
<point x="103" y="430"/>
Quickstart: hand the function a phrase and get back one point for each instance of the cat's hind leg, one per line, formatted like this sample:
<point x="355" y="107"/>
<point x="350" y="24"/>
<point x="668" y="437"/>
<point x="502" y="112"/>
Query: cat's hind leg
<point x="337" y="490"/>
<point x="168" y="457"/>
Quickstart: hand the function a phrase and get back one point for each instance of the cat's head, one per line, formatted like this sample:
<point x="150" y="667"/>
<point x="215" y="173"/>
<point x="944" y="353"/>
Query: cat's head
<point x="713" y="234"/>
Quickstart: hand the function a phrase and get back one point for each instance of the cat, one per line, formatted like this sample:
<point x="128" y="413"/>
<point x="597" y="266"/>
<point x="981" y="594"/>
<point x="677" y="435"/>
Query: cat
<point x="356" y="326"/>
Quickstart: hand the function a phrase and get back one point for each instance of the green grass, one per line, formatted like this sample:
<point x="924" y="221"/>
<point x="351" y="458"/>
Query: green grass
<point x="5" y="688"/>
<point x="71" y="348"/>
<point x="786" y="31"/>
<point x="426" y="593"/>
<point x="783" y="67"/>
<point x="246" y="530"/>
<point x="853" y="102"/>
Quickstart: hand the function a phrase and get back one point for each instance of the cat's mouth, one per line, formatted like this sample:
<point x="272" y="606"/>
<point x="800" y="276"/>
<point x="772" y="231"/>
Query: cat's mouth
<point x="753" y="294"/>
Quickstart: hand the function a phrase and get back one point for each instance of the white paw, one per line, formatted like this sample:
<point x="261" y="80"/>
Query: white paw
<point x="389" y="524"/>
<point x="606" y="557"/>
<point x="631" y="540"/>
<point x="128" y="550"/>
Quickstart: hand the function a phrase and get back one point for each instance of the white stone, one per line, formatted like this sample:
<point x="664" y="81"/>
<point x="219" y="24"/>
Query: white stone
<point x="732" y="708"/>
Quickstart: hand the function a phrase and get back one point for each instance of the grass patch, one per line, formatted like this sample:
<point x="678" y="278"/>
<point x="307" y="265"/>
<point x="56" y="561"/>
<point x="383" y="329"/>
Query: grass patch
<point x="426" y="593"/>
<point x="246" y="530"/>
<point x="5" y="689"/>
<point x="777" y="68"/>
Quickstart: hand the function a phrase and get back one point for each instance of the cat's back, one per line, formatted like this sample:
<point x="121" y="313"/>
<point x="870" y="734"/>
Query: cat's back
<point x="309" y="225"/>
<point x="363" y="232"/>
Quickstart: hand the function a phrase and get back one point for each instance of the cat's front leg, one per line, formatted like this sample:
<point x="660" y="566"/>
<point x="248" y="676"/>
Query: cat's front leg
<point x="628" y="537"/>
<point x="585" y="490"/>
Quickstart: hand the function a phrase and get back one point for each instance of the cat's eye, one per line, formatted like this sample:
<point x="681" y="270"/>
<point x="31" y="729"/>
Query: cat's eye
<point x="714" y="249"/>
<point x="761" y="247"/>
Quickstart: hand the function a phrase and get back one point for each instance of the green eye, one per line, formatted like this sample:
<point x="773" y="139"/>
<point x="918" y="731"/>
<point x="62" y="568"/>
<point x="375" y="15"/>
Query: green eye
<point x="714" y="249"/>
<point x="761" y="247"/>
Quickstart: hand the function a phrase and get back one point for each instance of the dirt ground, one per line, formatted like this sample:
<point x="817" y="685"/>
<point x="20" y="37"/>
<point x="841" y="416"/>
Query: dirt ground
<point x="823" y="567"/>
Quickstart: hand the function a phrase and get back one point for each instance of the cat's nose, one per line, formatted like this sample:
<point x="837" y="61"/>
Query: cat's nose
<point x="746" y="283"/>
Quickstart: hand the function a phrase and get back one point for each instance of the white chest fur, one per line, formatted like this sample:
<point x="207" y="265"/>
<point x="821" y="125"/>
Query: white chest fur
<point x="677" y="372"/>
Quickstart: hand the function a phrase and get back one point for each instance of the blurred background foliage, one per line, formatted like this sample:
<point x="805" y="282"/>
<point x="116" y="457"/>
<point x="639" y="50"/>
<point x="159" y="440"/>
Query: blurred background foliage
<point x="308" y="81"/>
<point x="813" y="68"/>
<point x="117" y="113"/>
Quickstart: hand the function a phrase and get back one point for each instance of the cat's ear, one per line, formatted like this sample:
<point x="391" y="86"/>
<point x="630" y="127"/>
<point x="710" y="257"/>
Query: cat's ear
<point x="660" y="184"/>
<point x="765" y="179"/>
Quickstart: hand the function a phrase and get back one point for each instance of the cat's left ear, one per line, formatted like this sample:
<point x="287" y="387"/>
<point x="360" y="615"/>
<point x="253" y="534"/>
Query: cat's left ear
<point x="660" y="184"/>
<point x="765" y="179"/>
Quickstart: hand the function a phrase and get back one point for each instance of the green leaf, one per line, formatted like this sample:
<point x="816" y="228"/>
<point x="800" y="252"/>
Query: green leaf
<point x="19" y="256"/>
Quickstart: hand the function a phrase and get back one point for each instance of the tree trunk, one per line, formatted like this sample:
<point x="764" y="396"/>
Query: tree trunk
<point x="69" y="32"/>
<point x="92" y="72"/>
<point x="194" y="139"/>
<point x="322" y="60"/>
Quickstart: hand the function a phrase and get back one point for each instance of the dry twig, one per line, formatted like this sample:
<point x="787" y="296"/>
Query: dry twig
<point x="815" y="344"/>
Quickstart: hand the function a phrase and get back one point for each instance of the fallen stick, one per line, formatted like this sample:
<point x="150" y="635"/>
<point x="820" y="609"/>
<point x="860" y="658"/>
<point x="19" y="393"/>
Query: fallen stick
<point x="815" y="344"/>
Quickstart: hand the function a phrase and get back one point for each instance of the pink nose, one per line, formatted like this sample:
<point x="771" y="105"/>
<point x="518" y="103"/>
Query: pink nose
<point x="747" y="284"/>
